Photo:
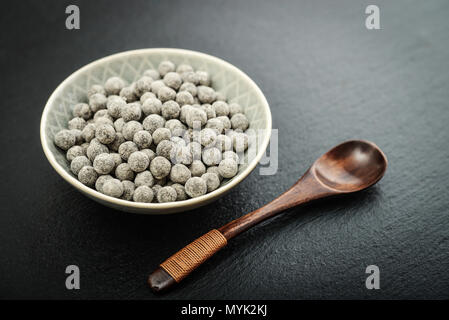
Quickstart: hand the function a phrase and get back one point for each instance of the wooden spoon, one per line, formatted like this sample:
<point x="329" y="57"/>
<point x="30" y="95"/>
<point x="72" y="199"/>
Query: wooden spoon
<point x="349" y="167"/>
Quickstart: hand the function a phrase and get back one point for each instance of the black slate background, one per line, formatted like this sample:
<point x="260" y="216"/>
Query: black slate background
<point x="327" y="79"/>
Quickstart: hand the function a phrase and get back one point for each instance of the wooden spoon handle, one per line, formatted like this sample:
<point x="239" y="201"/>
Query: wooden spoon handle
<point x="183" y="262"/>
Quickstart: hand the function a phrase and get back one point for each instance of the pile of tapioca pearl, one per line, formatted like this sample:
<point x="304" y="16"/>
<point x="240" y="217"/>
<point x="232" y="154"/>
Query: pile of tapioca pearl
<point x="166" y="137"/>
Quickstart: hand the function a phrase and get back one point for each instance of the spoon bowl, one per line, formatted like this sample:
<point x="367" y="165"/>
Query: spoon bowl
<point x="351" y="166"/>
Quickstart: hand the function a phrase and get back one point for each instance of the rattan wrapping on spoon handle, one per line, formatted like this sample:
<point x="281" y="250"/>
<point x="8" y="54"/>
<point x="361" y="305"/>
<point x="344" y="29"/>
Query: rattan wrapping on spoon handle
<point x="193" y="255"/>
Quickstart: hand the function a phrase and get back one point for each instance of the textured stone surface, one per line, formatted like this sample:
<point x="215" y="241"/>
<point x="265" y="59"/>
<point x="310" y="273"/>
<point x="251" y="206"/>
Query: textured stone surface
<point x="327" y="79"/>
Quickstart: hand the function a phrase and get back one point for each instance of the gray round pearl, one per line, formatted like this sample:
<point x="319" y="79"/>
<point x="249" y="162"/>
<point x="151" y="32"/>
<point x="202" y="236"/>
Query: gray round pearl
<point x="214" y="169"/>
<point x="77" y="123"/>
<point x="143" y="139"/>
<point x="206" y="94"/>
<point x="226" y="122"/>
<point x="78" y="163"/>
<point x="208" y="137"/>
<point x="131" y="111"/>
<point x="115" y="105"/>
<point x="166" y="67"/>
<point x="128" y="190"/>
<point x="180" y="191"/>
<point x="221" y="108"/>
<point x="138" y="161"/>
<point x="124" y="172"/>
<point x="180" y="173"/>
<point x="95" y="148"/>
<point x="223" y="143"/>
<point x="65" y="139"/>
<point x="160" y="167"/>
<point x="126" y="149"/>
<point x="170" y="110"/>
<point x="166" y="194"/>
<point x="101" y="180"/>
<point x="212" y="181"/>
<point x="165" y="94"/>
<point x="189" y="87"/>
<point x="196" y="117"/>
<point x="82" y="110"/>
<point x="152" y="106"/>
<point x="160" y="135"/>
<point x="113" y="85"/>
<point x="228" y="168"/>
<point x="144" y="178"/>
<point x="130" y="128"/>
<point x="153" y="122"/>
<point x="105" y="133"/>
<point x="143" y="194"/>
<point x="215" y="124"/>
<point x="104" y="163"/>
<point x="143" y="85"/>
<point x="176" y="127"/>
<point x="195" y="187"/>
<point x="197" y="168"/>
<point x="211" y="156"/>
<point x="156" y="86"/>
<point x="172" y="80"/>
<point x="184" y="97"/>
<point x="74" y="152"/>
<point x="166" y="149"/>
<point x="182" y="154"/>
<point x="87" y="176"/>
<point x="97" y="102"/>
<point x="113" y="188"/>
<point x="239" y="121"/>
<point x="129" y="93"/>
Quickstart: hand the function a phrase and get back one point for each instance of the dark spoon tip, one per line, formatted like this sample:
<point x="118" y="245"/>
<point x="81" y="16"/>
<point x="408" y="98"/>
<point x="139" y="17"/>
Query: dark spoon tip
<point x="160" y="280"/>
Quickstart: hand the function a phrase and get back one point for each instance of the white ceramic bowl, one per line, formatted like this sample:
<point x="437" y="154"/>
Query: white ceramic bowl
<point x="226" y="78"/>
